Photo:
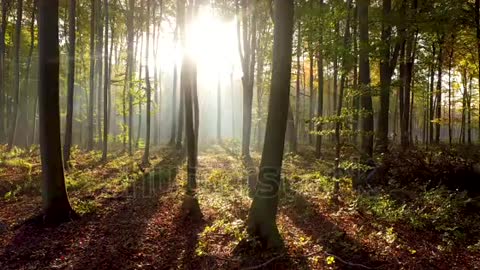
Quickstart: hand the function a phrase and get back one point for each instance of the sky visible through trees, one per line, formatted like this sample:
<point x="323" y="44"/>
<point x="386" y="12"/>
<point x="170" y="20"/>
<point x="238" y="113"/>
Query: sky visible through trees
<point x="240" y="134"/>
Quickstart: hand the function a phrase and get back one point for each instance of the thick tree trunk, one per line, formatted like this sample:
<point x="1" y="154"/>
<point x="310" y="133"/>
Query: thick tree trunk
<point x="3" y="107"/>
<point x="477" y="24"/>
<point x="387" y="66"/>
<point x="16" y="101"/>
<point x="346" y="66"/>
<point x="55" y="199"/>
<point x="261" y="219"/>
<point x="366" y="98"/>
<point x="71" y="81"/>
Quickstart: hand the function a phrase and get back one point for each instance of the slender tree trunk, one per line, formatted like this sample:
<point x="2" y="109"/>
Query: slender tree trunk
<point x="261" y="219"/>
<point x="99" y="69"/>
<point x="71" y="83"/>
<point x="356" y="97"/>
<point x="247" y="57"/>
<point x="469" y="111"/>
<point x="16" y="102"/>
<point x="106" y="83"/>
<point x="146" y="153"/>
<point x="312" y="97"/>
<point x="439" y="92"/>
<point x="91" y="105"/>
<point x="181" y="31"/>
<point x="432" y="92"/>
<point x="55" y="199"/>
<point x="318" y="145"/>
<point x="260" y="71"/>
<point x="366" y="98"/>
<point x="174" y="90"/>
<point x="296" y="131"/>
<point x="450" y="63"/>
<point x="130" y="36"/>
<point x="30" y="136"/>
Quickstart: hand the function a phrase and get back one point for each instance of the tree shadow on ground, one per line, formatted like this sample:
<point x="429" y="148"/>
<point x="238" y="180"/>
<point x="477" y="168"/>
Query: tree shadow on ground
<point x="135" y="229"/>
<point x="306" y="216"/>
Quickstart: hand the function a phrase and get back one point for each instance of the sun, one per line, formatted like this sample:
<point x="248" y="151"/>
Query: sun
<point x="213" y="43"/>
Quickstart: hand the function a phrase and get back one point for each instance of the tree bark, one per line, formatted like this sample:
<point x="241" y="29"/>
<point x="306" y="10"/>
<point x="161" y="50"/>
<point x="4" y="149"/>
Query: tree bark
<point x="261" y="219"/>
<point x="3" y="107"/>
<point x="99" y="69"/>
<point x="146" y="153"/>
<point x="55" y="199"/>
<point x="439" y="92"/>
<point x="16" y="102"/>
<point x="106" y="83"/>
<point x="71" y="83"/>
<point x="91" y="102"/>
<point x="366" y="98"/>
<point x="130" y="36"/>
<point x="318" y="145"/>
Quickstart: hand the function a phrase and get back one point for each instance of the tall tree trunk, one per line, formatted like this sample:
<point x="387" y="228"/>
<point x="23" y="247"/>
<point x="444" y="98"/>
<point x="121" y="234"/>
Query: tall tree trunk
<point x="439" y="92"/>
<point x="318" y="145"/>
<point x="100" y="64"/>
<point x="356" y="97"/>
<point x="146" y="153"/>
<point x="3" y="107"/>
<point x="130" y="36"/>
<point x="260" y="71"/>
<point x="387" y="66"/>
<point x="106" y="83"/>
<point x="366" y="98"/>
<point x="30" y="136"/>
<point x="91" y="102"/>
<point x="55" y="199"/>
<point x="174" y="89"/>
<point x="247" y="57"/>
<point x="345" y="70"/>
<point x="450" y="63"/>
<point x="181" y="31"/>
<point x="312" y="97"/>
<point x="432" y="92"/>
<point x="261" y="219"/>
<point x="296" y="131"/>
<point x="16" y="102"/>
<point x="477" y="24"/>
<point x="71" y="82"/>
<point x="469" y="111"/>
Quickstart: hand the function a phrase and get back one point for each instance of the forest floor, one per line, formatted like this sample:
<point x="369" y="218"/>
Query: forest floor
<point x="134" y="217"/>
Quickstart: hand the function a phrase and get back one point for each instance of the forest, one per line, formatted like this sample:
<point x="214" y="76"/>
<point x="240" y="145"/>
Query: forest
<point x="240" y="134"/>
